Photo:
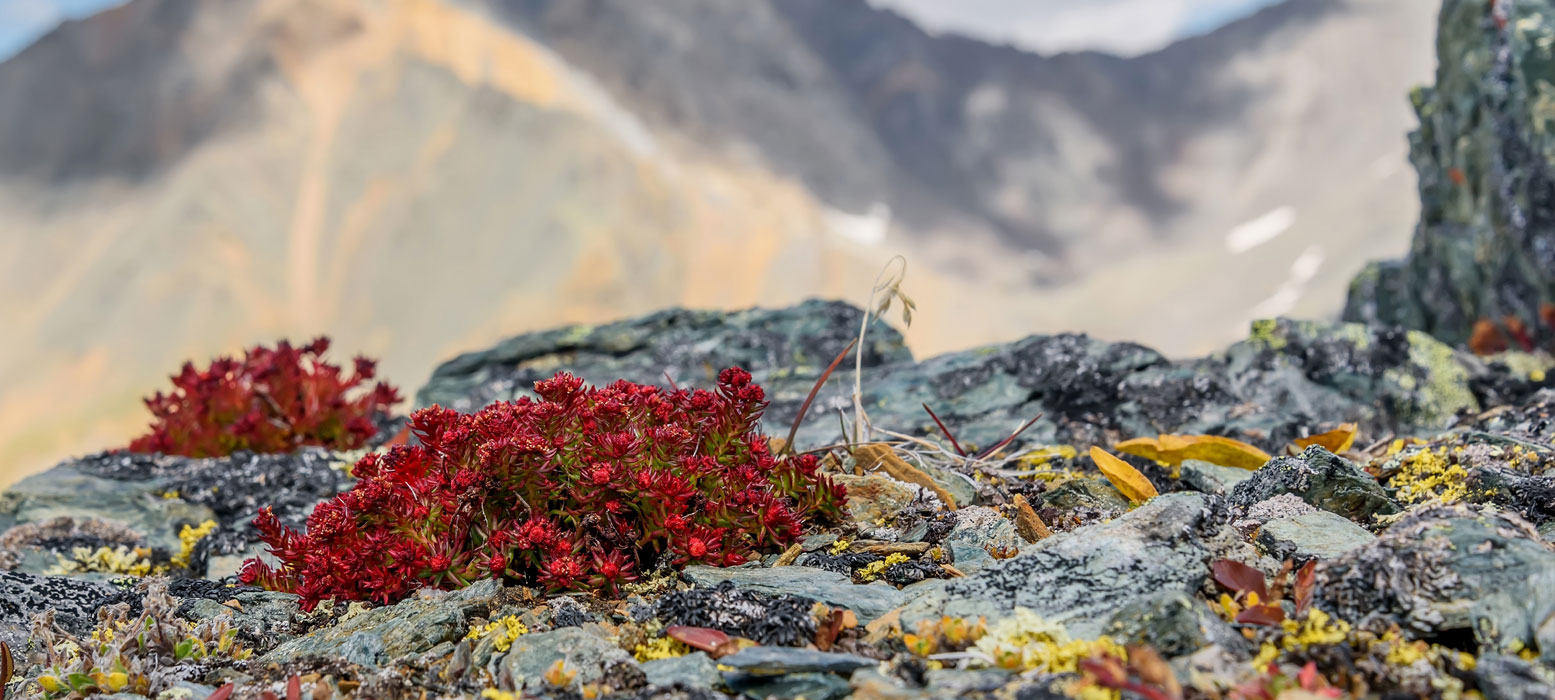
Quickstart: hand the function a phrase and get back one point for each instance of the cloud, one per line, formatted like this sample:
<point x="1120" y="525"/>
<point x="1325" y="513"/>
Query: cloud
<point x="1118" y="26"/>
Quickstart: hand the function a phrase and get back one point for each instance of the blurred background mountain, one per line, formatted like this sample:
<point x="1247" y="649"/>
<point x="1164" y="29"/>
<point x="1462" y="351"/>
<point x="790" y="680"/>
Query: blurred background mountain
<point x="419" y="177"/>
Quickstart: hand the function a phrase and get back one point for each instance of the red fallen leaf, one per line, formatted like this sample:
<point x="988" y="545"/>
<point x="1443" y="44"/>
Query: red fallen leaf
<point x="267" y="695"/>
<point x="1240" y="577"/>
<point x="1262" y="615"/>
<point x="7" y="667"/>
<point x="222" y="693"/>
<point x="1518" y="331"/>
<point x="1306" y="580"/>
<point x="704" y="638"/>
<point x="294" y="688"/>
<point x="1487" y="339"/>
<point x="1308" y="677"/>
<point x="400" y="438"/>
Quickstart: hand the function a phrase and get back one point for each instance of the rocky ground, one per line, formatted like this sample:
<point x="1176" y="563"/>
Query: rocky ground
<point x="1324" y="509"/>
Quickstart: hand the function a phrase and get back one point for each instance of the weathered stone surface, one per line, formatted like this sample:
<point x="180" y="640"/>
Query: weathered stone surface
<point x="1503" y="677"/>
<point x="866" y="601"/>
<point x="820" y="686"/>
<point x="1085" y="492"/>
<point x="381" y="635"/>
<point x="780" y="660"/>
<point x="873" y="496"/>
<point x="694" y="670"/>
<point x="1211" y="478"/>
<point x="1079" y="578"/>
<point x="1323" y="480"/>
<point x="1288" y="376"/>
<point x="977" y="528"/>
<point x="1316" y="535"/>
<point x="1173" y="622"/>
<point x="1485" y="246"/>
<point x="1451" y="568"/>
<point x="73" y="601"/>
<point x="590" y="655"/>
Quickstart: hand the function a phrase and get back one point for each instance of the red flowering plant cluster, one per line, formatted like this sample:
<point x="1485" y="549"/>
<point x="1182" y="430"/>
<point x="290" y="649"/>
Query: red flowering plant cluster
<point x="584" y="488"/>
<point x="273" y="400"/>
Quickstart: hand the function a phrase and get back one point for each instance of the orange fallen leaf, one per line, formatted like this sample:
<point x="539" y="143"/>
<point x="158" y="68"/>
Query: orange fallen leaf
<point x="1215" y="449"/>
<point x="1336" y="441"/>
<point x="1132" y="484"/>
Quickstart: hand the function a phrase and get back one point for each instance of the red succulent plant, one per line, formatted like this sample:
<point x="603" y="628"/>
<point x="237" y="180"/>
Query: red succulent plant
<point x="273" y="400"/>
<point x="583" y="488"/>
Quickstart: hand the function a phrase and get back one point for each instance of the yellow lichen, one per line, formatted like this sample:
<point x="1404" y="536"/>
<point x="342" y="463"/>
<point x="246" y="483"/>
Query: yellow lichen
<point x="1317" y="628"/>
<point x="876" y="568"/>
<point x="1430" y="475"/>
<point x="494" y="694"/>
<point x="502" y="632"/>
<point x="118" y="560"/>
<point x="1026" y="642"/>
<point x="660" y="648"/>
<point x="188" y="538"/>
<point x="840" y="546"/>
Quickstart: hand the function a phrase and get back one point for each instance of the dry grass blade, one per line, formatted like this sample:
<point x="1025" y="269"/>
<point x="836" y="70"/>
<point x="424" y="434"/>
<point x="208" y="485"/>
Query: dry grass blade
<point x="985" y="454"/>
<point x="814" y="390"/>
<point x="948" y="435"/>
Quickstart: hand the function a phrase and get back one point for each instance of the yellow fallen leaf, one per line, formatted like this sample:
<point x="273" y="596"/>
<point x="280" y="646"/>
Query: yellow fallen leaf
<point x="879" y="456"/>
<point x="1174" y="449"/>
<point x="1133" y="485"/>
<point x="1337" y="441"/>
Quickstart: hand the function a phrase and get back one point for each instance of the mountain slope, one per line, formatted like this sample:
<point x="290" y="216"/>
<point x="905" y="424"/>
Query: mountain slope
<point x="417" y="177"/>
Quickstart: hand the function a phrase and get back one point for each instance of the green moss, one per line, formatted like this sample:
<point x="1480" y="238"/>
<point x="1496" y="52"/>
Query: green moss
<point x="1265" y="332"/>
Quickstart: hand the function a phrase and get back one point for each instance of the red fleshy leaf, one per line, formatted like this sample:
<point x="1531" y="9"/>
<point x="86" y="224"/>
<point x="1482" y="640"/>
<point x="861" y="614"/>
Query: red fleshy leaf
<point x="1308" y="677"/>
<point x="294" y="688"/>
<point x="1262" y="615"/>
<point x="1306" y="581"/>
<point x="1240" y="578"/>
<point x="704" y="638"/>
<point x="222" y="693"/>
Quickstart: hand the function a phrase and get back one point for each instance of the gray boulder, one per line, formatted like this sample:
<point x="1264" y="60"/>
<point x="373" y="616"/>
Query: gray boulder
<point x="1316" y="535"/>
<point x="1320" y="478"/>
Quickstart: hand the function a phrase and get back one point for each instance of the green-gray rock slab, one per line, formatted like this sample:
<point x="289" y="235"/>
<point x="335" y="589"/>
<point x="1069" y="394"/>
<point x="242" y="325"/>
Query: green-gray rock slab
<point x="811" y="686"/>
<point x="694" y="670"/>
<point x="1322" y="479"/>
<point x="1085" y="492"/>
<point x="769" y="660"/>
<point x="590" y="655"/>
<point x="138" y="505"/>
<point x="1080" y="577"/>
<point x="1212" y="478"/>
<point x="379" y="636"/>
<point x="1316" y="535"/>
<point x="867" y="601"/>
<point x="1175" y="623"/>
<point x="1451" y="569"/>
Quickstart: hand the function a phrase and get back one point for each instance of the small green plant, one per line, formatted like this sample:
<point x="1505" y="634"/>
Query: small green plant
<point x="141" y="655"/>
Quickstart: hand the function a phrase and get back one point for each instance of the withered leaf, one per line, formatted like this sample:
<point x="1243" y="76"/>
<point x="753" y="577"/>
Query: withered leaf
<point x="1027" y="523"/>
<point x="1215" y="449"/>
<point x="1132" y="484"/>
<point x="1240" y="577"/>
<point x="1306" y="581"/>
<point x="880" y="456"/>
<point x="705" y="638"/>
<point x="1266" y="614"/>
<point x="1338" y="441"/>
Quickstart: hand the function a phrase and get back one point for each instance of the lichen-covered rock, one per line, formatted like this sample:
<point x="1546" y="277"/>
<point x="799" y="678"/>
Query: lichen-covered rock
<point x="766" y="660"/>
<point x="1451" y="568"/>
<point x="1316" y="535"/>
<point x="1085" y="492"/>
<point x="1485" y="246"/>
<point x="591" y="656"/>
<point x="1286" y="377"/>
<point x="1174" y="623"/>
<point x="866" y="601"/>
<point x="694" y="670"/>
<point x="874" y="497"/>
<point x="382" y="635"/>
<point x="74" y="602"/>
<point x="1211" y="478"/>
<point x="976" y="530"/>
<point x="1080" y="577"/>
<point x="741" y="612"/>
<point x="1503" y="677"/>
<point x="1320" y="478"/>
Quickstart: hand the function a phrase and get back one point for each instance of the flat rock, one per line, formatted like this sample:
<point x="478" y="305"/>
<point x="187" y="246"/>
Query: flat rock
<point x="767" y="660"/>
<point x="1212" y="478"/>
<point x="1080" y="577"/>
<point x="874" y="496"/>
<point x="590" y="655"/>
<point x="811" y="686"/>
<point x="694" y="670"/>
<point x="74" y="602"/>
<point x="1085" y="492"/>
<point x="382" y="635"/>
<point x="1175" y="623"/>
<point x="1316" y="535"/>
<point x="867" y="601"/>
<point x="976" y="529"/>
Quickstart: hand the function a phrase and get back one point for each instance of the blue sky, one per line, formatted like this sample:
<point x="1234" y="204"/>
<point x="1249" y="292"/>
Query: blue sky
<point x="1121" y="26"/>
